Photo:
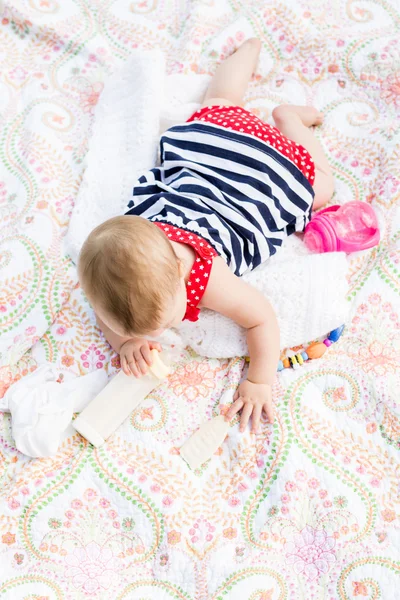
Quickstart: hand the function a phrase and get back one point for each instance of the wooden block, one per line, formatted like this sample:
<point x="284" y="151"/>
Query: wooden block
<point x="204" y="442"/>
<point x="116" y="401"/>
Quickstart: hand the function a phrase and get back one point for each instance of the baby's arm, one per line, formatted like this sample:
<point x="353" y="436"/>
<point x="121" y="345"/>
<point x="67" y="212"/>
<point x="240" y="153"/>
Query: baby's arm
<point x="232" y="297"/>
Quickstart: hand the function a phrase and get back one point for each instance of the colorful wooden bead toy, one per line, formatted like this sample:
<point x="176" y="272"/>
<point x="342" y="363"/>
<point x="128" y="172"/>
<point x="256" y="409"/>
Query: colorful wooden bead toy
<point x="314" y="350"/>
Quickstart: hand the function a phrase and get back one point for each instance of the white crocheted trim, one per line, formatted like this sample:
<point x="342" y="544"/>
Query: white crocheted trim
<point x="123" y="145"/>
<point x="308" y="295"/>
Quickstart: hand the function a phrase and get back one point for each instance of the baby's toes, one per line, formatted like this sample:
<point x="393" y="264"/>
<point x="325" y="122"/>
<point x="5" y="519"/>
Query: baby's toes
<point x="319" y="117"/>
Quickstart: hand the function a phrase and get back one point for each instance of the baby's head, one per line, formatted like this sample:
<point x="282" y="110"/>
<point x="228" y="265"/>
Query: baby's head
<point x="132" y="277"/>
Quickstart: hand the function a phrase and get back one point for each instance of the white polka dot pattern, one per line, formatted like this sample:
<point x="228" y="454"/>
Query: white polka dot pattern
<point x="240" y="119"/>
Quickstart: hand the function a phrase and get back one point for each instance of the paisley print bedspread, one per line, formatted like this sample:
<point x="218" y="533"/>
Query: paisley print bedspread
<point x="309" y="508"/>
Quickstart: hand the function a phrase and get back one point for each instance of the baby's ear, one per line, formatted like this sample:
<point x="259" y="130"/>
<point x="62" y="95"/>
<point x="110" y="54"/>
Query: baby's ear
<point x="181" y="268"/>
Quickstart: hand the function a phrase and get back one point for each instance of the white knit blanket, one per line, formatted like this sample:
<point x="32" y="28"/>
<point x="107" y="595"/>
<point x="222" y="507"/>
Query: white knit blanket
<point x="136" y="105"/>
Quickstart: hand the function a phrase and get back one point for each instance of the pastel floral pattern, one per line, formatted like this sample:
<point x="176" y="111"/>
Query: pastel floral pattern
<point x="311" y="553"/>
<point x="90" y="96"/>
<point x="359" y="589"/>
<point x="374" y="342"/>
<point x="92" y="568"/>
<point x="391" y="89"/>
<point x="194" y="380"/>
<point x="310" y="502"/>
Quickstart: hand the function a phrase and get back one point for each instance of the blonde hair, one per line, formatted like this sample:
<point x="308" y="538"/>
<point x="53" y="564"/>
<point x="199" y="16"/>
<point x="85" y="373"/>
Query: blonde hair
<point x="129" y="268"/>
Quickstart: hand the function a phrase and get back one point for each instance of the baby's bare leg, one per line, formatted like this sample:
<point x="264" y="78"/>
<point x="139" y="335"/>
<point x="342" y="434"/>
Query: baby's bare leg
<point x="229" y="84"/>
<point x="295" y="122"/>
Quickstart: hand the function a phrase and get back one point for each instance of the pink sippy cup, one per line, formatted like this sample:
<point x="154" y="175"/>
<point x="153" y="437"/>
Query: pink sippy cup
<point x="348" y="228"/>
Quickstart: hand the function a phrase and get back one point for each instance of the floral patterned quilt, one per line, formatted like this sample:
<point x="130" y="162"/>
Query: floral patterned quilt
<point x="309" y="508"/>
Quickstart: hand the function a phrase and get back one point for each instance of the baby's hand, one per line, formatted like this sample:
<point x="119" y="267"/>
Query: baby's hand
<point x="135" y="356"/>
<point x="253" y="398"/>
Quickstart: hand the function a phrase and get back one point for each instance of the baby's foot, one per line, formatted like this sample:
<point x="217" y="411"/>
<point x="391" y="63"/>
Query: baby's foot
<point x="309" y="115"/>
<point x="319" y="117"/>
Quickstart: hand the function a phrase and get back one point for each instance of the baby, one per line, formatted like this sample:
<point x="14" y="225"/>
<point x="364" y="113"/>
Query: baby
<point x="230" y="188"/>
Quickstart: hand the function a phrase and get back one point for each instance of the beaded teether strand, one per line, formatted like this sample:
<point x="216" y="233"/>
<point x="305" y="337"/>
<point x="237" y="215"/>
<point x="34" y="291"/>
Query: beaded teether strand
<point x="314" y="350"/>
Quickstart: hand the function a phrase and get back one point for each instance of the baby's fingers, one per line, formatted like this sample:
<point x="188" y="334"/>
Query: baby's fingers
<point x="155" y="346"/>
<point x="236" y="406"/>
<point x="145" y="350"/>
<point x="246" y="413"/>
<point x="124" y="365"/>
<point x="255" y="418"/>
<point x="140" y="363"/>
<point x="269" y="411"/>
<point x="133" y="368"/>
